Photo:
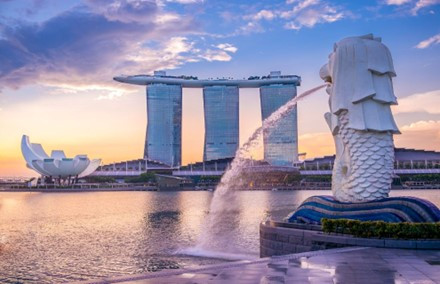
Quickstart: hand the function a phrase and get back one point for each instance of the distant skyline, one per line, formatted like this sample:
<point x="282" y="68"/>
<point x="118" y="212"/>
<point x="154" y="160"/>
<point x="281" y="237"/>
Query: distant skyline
<point x="58" y="58"/>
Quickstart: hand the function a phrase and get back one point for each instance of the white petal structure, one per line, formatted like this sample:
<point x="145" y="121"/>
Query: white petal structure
<point x="57" y="165"/>
<point x="94" y="164"/>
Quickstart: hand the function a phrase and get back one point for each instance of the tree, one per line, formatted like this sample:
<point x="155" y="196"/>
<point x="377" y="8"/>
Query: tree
<point x="99" y="179"/>
<point x="144" y="177"/>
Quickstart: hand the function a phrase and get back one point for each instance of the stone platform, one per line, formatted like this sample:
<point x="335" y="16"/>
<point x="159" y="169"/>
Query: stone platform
<point x="279" y="238"/>
<point x="346" y="265"/>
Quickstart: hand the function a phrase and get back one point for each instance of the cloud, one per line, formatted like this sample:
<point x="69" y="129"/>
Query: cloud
<point x="101" y="91"/>
<point x="397" y="2"/>
<point x="420" y="135"/>
<point x="166" y="18"/>
<point x="420" y="4"/>
<point x="421" y="102"/>
<point x="129" y="11"/>
<point x="221" y="53"/>
<point x="316" y="144"/>
<point x="227" y="47"/>
<point x="109" y="95"/>
<point x="422" y="125"/>
<point x="302" y="4"/>
<point x="177" y="45"/>
<point x="251" y="27"/>
<point x="308" y="13"/>
<point x="77" y="46"/>
<point x="428" y="42"/>
<point x="413" y="5"/>
<point x="296" y="15"/>
<point x="216" y="55"/>
<point x="262" y="15"/>
<point x="179" y="50"/>
<point x="186" y="1"/>
<point x="89" y="45"/>
<point x="126" y="11"/>
<point x="229" y="16"/>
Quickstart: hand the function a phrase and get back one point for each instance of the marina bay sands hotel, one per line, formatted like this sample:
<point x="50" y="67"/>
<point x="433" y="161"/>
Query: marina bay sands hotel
<point x="221" y="112"/>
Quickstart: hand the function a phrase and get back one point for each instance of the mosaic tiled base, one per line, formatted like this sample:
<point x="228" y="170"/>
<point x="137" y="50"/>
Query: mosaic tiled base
<point x="392" y="209"/>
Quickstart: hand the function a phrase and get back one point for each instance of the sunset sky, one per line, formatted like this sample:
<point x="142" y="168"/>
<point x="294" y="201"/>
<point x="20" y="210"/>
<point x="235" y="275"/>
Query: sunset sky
<point x="58" y="58"/>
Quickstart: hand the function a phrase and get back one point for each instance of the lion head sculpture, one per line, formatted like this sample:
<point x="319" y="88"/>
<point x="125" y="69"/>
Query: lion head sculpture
<point x="360" y="71"/>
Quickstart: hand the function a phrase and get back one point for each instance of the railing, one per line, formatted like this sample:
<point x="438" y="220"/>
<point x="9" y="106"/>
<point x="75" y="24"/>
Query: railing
<point x="396" y="171"/>
<point x="219" y="173"/>
<point x="315" y="172"/>
<point x="417" y="171"/>
<point x="198" y="173"/>
<point x="118" y="173"/>
<point x="85" y="187"/>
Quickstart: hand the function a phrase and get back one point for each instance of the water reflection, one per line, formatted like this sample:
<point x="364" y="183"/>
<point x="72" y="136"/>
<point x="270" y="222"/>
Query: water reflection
<point x="351" y="267"/>
<point x="55" y="237"/>
<point x="165" y="217"/>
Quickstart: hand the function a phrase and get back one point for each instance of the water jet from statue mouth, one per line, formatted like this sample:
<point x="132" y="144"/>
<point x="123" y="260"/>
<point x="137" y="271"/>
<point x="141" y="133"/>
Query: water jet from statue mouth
<point x="222" y="221"/>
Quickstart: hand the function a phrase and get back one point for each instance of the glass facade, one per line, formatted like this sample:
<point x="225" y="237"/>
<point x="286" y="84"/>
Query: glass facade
<point x="163" y="141"/>
<point x="221" y="122"/>
<point x="280" y="143"/>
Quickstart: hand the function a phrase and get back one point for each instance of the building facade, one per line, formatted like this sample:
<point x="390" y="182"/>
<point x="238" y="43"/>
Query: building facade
<point x="281" y="142"/>
<point x="163" y="141"/>
<point x="221" y="112"/>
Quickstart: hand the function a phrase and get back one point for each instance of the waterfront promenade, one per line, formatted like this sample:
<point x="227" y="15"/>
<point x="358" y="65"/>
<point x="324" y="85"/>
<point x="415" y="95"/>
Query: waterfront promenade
<point x="361" y="265"/>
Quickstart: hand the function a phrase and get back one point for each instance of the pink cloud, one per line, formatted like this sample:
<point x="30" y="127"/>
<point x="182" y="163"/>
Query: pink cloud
<point x="420" y="135"/>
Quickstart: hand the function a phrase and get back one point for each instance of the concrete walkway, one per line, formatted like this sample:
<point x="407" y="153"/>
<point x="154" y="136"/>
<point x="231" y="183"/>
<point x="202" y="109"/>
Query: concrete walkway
<point x="343" y="265"/>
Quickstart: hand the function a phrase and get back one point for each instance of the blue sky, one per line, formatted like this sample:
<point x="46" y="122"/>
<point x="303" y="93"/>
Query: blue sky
<point x="63" y="55"/>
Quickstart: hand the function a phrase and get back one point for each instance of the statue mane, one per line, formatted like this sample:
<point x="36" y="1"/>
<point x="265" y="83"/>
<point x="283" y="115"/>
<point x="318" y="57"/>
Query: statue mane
<point x="361" y="71"/>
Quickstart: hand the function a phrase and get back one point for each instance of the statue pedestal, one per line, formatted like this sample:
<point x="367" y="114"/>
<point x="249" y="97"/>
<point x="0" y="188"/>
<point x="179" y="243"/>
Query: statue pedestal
<point x="278" y="238"/>
<point x="391" y="209"/>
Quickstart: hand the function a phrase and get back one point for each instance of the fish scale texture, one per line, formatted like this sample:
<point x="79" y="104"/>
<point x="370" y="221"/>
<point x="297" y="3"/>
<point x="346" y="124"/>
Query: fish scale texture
<point x="364" y="171"/>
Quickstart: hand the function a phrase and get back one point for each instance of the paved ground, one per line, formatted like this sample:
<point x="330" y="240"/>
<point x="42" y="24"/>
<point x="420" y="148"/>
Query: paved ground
<point x="345" y="265"/>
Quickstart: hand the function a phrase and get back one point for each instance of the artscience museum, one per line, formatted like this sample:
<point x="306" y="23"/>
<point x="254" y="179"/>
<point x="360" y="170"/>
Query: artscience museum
<point x="56" y="166"/>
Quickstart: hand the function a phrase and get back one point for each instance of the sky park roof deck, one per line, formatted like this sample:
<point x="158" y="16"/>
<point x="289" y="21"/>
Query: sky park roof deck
<point x="160" y="77"/>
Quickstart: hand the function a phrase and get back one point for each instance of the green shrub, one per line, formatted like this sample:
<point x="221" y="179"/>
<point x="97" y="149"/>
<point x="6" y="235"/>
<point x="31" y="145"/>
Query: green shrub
<point x="323" y="178"/>
<point x="293" y="178"/>
<point x="210" y="178"/>
<point x="380" y="229"/>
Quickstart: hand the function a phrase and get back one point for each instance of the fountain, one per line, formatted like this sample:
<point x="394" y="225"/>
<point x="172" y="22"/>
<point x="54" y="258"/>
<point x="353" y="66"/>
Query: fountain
<point x="224" y="205"/>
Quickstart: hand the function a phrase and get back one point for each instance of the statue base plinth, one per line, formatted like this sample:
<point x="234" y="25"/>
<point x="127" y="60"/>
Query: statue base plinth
<point x="391" y="209"/>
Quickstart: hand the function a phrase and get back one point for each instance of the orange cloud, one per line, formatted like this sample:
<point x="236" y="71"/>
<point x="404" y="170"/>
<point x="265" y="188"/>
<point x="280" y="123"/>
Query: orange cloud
<point x="316" y="144"/>
<point x="420" y="102"/>
<point x="420" y="135"/>
<point x="423" y="135"/>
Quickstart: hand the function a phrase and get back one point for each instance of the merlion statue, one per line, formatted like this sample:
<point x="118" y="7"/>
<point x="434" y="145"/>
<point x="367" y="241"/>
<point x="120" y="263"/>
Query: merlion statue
<point x="359" y="73"/>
